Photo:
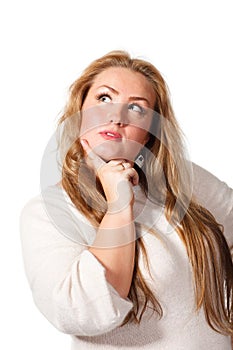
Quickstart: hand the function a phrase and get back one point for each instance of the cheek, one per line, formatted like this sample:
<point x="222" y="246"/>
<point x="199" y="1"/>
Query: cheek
<point x="93" y="118"/>
<point x="139" y="135"/>
<point x="141" y="132"/>
<point x="90" y="136"/>
<point x="85" y="128"/>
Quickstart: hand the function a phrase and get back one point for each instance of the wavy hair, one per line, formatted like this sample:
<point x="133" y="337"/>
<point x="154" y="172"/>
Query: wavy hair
<point x="202" y="236"/>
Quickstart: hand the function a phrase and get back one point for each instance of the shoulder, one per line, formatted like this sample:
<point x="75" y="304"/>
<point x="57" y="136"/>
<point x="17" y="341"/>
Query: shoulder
<point x="53" y="211"/>
<point x="216" y="196"/>
<point x="210" y="190"/>
<point x="43" y="205"/>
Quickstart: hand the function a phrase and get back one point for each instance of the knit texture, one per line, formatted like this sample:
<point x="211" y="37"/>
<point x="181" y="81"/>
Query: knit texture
<point x="70" y="288"/>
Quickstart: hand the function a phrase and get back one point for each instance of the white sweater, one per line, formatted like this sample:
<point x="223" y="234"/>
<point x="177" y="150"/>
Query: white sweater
<point x="69" y="285"/>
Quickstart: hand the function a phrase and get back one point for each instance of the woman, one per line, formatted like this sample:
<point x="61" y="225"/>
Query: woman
<point x="132" y="249"/>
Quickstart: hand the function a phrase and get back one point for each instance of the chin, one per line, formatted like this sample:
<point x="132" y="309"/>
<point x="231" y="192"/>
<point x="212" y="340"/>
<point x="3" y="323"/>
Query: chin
<point x="107" y="156"/>
<point x="110" y="152"/>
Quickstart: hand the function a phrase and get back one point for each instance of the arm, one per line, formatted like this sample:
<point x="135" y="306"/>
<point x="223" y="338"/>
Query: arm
<point x="114" y="245"/>
<point x="68" y="283"/>
<point x="217" y="197"/>
<point x="118" y="259"/>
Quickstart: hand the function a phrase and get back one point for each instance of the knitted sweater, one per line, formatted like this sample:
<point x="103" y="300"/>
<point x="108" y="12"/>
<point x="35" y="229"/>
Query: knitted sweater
<point x="70" y="288"/>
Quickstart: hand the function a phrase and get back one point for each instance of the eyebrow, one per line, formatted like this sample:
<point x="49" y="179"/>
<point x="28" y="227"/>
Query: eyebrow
<point x="135" y="98"/>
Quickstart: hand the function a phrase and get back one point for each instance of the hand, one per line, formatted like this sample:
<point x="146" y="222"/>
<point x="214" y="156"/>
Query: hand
<point x="116" y="176"/>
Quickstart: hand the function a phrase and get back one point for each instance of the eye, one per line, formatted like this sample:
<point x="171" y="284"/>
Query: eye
<point x="136" y="108"/>
<point x="104" y="98"/>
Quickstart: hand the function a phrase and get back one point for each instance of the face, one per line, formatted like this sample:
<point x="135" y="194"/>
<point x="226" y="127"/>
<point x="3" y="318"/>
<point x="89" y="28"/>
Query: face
<point x="117" y="114"/>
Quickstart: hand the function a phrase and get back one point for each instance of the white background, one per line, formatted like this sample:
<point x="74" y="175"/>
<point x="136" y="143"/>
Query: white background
<point x="44" y="47"/>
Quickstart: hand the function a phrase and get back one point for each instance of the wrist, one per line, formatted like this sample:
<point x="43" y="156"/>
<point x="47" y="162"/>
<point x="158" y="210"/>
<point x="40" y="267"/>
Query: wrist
<point x="120" y="207"/>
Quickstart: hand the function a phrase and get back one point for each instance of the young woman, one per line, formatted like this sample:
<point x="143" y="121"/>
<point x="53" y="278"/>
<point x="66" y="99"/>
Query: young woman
<point x="132" y="249"/>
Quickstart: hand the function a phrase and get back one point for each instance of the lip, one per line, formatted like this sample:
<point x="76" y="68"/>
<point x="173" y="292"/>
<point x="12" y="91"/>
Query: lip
<point x="111" y="135"/>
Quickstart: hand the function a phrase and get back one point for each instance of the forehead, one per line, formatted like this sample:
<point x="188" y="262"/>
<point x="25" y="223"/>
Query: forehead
<point x="126" y="82"/>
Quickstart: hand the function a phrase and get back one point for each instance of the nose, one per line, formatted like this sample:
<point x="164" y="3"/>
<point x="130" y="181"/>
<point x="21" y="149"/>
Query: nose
<point x="117" y="115"/>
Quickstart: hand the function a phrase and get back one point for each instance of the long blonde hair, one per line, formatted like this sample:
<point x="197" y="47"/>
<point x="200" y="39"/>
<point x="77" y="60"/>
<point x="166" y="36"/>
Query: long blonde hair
<point x="202" y="236"/>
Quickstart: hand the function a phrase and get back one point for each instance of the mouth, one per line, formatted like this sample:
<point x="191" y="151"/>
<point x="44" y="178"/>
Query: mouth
<point x="111" y="135"/>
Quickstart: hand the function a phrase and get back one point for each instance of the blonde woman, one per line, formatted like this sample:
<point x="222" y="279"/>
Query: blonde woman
<point x="132" y="249"/>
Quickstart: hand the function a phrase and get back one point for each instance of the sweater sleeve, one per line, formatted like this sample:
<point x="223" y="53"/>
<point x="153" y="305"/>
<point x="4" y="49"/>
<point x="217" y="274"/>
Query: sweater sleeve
<point x="217" y="197"/>
<point x="68" y="283"/>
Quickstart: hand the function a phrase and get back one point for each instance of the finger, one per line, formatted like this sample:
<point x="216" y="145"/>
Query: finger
<point x="114" y="162"/>
<point x="126" y="165"/>
<point x="122" y="162"/>
<point x="132" y="175"/>
<point x="91" y="155"/>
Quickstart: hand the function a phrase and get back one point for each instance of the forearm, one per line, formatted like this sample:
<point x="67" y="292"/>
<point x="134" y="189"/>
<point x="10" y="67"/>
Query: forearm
<point x="114" y="247"/>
